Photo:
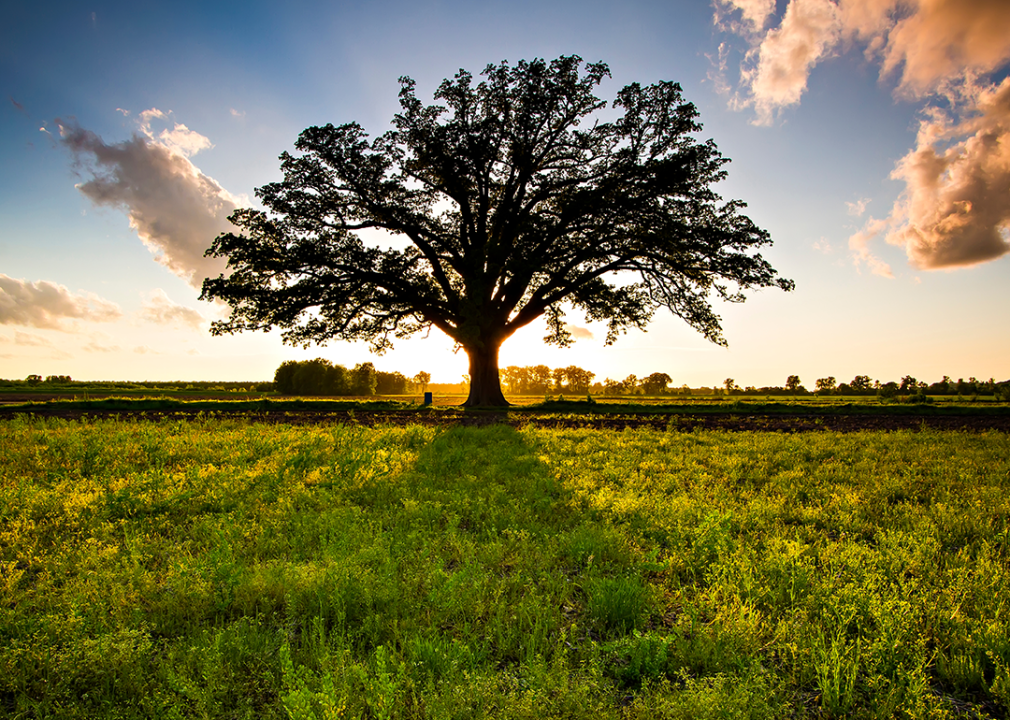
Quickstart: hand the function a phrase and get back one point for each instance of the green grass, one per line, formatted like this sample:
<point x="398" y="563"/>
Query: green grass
<point x="220" y="568"/>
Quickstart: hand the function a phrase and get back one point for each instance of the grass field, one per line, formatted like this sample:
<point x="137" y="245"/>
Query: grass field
<point x="221" y="568"/>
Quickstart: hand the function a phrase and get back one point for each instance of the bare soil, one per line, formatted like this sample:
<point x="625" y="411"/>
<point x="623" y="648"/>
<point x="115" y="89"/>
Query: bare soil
<point x="658" y="421"/>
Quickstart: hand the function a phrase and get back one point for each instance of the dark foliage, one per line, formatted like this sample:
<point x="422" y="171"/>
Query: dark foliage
<point x="515" y="204"/>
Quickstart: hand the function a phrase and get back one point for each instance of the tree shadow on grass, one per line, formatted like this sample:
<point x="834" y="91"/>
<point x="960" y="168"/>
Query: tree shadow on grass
<point x="492" y="478"/>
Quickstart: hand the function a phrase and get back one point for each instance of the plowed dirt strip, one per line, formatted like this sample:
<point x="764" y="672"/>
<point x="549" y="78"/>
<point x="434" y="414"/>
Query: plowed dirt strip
<point x="681" y="423"/>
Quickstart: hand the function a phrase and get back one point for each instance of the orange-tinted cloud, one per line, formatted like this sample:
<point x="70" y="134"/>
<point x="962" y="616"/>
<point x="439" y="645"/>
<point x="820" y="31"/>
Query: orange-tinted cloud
<point x="931" y="42"/>
<point x="859" y="244"/>
<point x="809" y="30"/>
<point x="176" y="210"/>
<point x="955" y="210"/>
<point x="45" y="304"/>
<point x="754" y="13"/>
<point x="579" y="333"/>
<point x="943" y="39"/>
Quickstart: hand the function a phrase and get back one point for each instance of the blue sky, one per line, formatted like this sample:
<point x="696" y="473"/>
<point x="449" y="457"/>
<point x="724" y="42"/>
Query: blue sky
<point x="870" y="137"/>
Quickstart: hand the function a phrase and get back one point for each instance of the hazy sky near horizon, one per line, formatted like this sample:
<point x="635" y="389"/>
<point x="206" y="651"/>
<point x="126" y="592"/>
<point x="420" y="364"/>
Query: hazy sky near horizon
<point x="871" y="138"/>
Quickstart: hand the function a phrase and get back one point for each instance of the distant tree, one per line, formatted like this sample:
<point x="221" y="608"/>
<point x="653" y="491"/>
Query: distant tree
<point x="284" y="377"/>
<point x="539" y="379"/>
<point x="58" y="379"/>
<point x="363" y="379"/>
<point x="517" y="202"/>
<point x="908" y="384"/>
<point x="577" y="379"/>
<point x="941" y="388"/>
<point x="730" y="385"/>
<point x="612" y="387"/>
<point x="310" y="377"/>
<point x="33" y="379"/>
<point x="861" y="383"/>
<point x="516" y="379"/>
<point x="825" y="385"/>
<point x="793" y="383"/>
<point x="572" y="379"/>
<point x="390" y="383"/>
<point x="630" y="385"/>
<point x="656" y="383"/>
<point x="421" y="380"/>
<point x="887" y="390"/>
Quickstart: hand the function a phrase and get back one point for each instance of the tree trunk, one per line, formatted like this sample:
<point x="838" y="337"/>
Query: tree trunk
<point x="485" y="388"/>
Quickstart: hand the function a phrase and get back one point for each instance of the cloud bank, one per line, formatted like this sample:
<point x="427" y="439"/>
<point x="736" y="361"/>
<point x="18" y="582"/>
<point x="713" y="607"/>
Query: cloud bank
<point x="44" y="304"/>
<point x="176" y="210"/>
<point x="955" y="207"/>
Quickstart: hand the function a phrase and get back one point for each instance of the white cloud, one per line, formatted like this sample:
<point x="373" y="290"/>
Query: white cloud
<point x="822" y="245"/>
<point x="179" y="140"/>
<point x="162" y="310"/>
<point x="45" y="304"/>
<point x="176" y="210"/>
<point x="145" y="350"/>
<point x="858" y="207"/>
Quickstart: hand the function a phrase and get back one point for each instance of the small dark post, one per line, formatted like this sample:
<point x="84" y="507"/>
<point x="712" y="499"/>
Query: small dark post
<point x="427" y="398"/>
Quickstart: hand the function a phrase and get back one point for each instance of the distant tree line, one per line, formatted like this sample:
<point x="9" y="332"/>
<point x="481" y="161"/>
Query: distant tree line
<point x="540" y="379"/>
<point x="909" y="388"/>
<point x="321" y="377"/>
<point x="65" y="383"/>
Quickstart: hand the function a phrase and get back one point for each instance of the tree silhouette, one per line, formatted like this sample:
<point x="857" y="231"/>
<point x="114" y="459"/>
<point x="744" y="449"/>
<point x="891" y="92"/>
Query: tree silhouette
<point x="513" y="203"/>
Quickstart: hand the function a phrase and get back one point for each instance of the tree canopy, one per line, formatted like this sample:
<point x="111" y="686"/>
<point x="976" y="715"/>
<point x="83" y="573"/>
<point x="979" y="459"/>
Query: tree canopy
<point x="515" y="199"/>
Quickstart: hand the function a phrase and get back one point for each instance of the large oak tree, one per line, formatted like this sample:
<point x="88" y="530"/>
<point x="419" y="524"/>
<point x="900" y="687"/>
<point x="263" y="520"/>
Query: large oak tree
<point x="518" y="197"/>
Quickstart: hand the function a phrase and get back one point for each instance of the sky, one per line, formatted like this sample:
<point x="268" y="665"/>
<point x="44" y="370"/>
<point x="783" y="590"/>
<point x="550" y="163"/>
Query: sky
<point x="871" y="138"/>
